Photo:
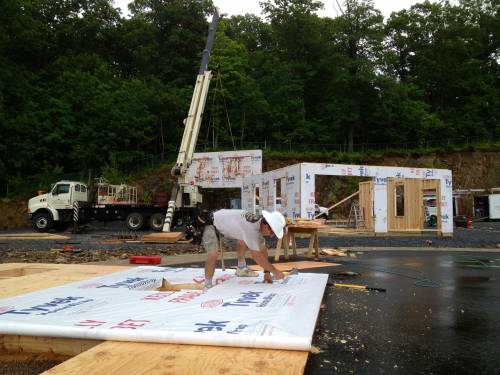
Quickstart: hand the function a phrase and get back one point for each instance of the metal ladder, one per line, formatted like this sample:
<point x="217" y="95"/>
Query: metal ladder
<point x="355" y="219"/>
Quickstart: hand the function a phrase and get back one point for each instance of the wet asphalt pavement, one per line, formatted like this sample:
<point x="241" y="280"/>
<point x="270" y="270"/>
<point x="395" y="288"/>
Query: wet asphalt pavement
<point x="440" y="314"/>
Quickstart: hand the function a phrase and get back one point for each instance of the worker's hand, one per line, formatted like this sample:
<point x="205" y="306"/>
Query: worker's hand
<point x="268" y="279"/>
<point x="278" y="275"/>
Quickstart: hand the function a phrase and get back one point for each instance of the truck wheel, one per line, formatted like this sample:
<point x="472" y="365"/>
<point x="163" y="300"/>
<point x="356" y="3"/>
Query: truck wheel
<point x="134" y="221"/>
<point x="156" y="221"/>
<point x="43" y="222"/>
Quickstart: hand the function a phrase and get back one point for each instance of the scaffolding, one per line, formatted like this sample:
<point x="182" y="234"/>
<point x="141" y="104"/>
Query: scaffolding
<point x="115" y="194"/>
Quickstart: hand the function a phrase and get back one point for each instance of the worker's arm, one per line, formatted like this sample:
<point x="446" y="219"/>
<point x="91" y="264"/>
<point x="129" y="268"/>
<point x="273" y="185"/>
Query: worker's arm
<point x="261" y="258"/>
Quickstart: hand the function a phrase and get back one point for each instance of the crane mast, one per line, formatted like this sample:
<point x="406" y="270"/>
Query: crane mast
<point x="192" y="125"/>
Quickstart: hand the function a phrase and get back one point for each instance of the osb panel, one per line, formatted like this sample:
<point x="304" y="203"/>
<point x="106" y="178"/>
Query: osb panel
<point x="434" y="184"/>
<point x="366" y="202"/>
<point x="412" y="205"/>
<point x="413" y="218"/>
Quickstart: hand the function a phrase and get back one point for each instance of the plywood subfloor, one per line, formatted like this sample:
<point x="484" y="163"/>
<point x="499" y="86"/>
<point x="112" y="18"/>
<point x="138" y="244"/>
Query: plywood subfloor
<point x="132" y="357"/>
<point x="33" y="236"/>
<point x="159" y="359"/>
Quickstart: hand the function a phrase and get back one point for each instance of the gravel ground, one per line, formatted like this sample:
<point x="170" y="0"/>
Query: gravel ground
<point x="484" y="235"/>
<point x="95" y="246"/>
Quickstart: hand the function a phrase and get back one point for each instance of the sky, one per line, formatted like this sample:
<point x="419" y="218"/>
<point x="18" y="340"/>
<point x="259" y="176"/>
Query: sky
<point x="232" y="7"/>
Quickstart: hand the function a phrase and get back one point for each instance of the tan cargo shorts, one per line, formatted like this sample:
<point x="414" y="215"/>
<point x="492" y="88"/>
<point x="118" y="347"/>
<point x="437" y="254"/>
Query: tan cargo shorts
<point x="210" y="240"/>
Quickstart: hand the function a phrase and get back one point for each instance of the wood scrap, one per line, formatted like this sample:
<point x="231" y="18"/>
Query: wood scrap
<point x="338" y="203"/>
<point x="167" y="237"/>
<point x="166" y="286"/>
<point x="334" y="252"/>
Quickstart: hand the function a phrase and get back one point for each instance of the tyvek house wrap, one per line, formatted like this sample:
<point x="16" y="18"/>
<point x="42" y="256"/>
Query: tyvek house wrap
<point x="125" y="306"/>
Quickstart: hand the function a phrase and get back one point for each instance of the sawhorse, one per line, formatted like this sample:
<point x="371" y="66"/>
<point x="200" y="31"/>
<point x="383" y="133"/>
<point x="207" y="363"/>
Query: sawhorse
<point x="289" y="235"/>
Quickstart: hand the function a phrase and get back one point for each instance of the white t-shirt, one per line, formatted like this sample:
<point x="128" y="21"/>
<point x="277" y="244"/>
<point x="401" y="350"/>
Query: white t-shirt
<point x="234" y="224"/>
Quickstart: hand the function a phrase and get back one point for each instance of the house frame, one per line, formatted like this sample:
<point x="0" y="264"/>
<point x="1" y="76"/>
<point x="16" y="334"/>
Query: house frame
<point x="296" y="198"/>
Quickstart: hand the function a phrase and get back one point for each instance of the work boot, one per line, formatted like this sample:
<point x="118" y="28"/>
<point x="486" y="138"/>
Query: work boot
<point x="246" y="272"/>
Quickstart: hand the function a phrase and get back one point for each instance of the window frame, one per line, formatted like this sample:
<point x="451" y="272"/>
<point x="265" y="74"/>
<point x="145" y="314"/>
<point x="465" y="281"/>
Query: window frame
<point x="55" y="190"/>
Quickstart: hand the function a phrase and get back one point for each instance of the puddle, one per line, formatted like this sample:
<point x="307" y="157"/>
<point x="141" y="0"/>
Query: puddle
<point x="474" y="279"/>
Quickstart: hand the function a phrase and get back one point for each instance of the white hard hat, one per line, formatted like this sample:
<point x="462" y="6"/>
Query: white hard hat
<point x="276" y="221"/>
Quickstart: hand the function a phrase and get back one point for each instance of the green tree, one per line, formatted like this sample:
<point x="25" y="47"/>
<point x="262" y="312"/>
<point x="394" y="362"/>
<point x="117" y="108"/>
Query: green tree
<point x="357" y="40"/>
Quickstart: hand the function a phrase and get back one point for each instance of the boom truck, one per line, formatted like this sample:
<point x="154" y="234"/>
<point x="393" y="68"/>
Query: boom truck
<point x="73" y="201"/>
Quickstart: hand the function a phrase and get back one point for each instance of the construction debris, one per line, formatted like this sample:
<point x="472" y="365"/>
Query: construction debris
<point x="334" y="252"/>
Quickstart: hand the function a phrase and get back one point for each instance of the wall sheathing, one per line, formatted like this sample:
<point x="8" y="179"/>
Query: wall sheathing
<point x="300" y="189"/>
<point x="266" y="183"/>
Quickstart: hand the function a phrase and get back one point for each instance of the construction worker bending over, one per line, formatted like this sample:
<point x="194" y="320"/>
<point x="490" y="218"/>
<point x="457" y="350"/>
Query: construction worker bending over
<point x="248" y="230"/>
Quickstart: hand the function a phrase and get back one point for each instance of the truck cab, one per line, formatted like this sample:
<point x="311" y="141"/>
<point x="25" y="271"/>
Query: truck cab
<point x="54" y="209"/>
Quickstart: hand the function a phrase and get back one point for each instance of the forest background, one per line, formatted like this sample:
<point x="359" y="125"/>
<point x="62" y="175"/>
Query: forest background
<point x="85" y="90"/>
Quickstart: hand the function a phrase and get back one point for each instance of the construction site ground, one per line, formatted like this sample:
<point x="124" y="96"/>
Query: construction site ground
<point x="113" y="241"/>
<point x="438" y="315"/>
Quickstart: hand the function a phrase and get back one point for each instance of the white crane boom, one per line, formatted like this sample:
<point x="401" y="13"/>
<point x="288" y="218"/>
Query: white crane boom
<point x="191" y="129"/>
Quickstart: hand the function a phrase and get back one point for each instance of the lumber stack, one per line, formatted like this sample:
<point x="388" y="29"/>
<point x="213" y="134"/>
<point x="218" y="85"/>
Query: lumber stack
<point x="32" y="236"/>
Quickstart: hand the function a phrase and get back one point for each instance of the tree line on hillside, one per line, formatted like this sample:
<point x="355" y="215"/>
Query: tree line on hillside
<point x="84" y="88"/>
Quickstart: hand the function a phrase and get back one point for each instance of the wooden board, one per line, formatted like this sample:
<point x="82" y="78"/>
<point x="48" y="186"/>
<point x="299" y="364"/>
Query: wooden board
<point x="307" y="224"/>
<point x="287" y="266"/>
<point x="33" y="236"/>
<point x="413" y="219"/>
<point x="162" y="237"/>
<point x="45" y="345"/>
<point x="131" y="357"/>
<point x="158" y="359"/>
<point x="366" y="202"/>
<point x="346" y="231"/>
<point x="434" y="184"/>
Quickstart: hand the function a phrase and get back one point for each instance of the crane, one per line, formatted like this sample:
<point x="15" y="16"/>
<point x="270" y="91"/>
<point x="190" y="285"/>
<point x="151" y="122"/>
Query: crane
<point x="184" y="194"/>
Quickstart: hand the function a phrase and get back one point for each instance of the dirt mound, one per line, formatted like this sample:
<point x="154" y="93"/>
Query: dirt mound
<point x="13" y="214"/>
<point x="478" y="169"/>
<point x="475" y="169"/>
<point x="157" y="181"/>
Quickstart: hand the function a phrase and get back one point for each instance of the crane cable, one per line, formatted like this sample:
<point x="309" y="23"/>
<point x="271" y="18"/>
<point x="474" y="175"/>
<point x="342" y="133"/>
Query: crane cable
<point x="218" y="85"/>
